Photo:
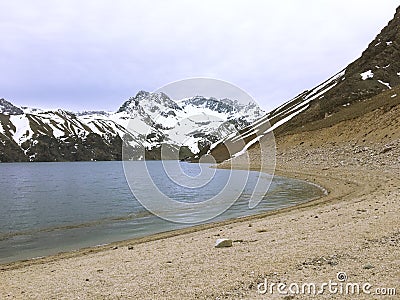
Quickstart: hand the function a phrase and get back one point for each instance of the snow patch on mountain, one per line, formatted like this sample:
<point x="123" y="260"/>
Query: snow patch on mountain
<point x="22" y="130"/>
<point x="385" y="83"/>
<point x="366" y="75"/>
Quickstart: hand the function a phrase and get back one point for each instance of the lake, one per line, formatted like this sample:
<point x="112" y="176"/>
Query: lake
<point x="46" y="208"/>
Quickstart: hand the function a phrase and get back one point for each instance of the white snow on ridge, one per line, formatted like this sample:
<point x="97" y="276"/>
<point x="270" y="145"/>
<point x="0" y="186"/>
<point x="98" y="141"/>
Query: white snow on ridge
<point x="134" y="125"/>
<point x="389" y="43"/>
<point x="320" y="93"/>
<point x="185" y="130"/>
<point x="94" y="128"/>
<point x="325" y="86"/>
<point x="23" y="131"/>
<point x="253" y="141"/>
<point x="30" y="110"/>
<point x="276" y="125"/>
<point x="313" y="94"/>
<point x="385" y="83"/>
<point x="57" y="129"/>
<point x="250" y="133"/>
<point x="367" y="74"/>
<point x="191" y="110"/>
<point x="287" y="103"/>
<point x="94" y="117"/>
<point x="57" y="132"/>
<point x="290" y="111"/>
<point x="284" y="120"/>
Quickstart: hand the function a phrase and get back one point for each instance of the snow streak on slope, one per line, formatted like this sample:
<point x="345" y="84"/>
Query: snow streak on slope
<point x="281" y="115"/>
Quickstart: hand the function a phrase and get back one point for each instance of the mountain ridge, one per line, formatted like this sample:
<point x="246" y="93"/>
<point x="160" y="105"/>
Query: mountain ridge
<point x="147" y="120"/>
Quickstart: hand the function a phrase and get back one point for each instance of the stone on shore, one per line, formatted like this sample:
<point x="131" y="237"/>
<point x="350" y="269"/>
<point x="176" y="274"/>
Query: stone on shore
<point x="223" y="243"/>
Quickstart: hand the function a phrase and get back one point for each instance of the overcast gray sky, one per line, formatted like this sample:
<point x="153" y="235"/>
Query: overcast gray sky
<point x="85" y="55"/>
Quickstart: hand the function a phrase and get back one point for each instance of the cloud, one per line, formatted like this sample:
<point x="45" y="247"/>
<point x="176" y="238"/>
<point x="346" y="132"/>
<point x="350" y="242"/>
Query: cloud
<point x="95" y="54"/>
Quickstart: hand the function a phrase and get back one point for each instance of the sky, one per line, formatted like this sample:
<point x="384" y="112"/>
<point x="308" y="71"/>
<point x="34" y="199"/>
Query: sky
<point x="95" y="54"/>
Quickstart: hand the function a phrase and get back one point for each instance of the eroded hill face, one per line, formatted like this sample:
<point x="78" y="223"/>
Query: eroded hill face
<point x="378" y="125"/>
<point x="370" y="139"/>
<point x="368" y="84"/>
<point x="376" y="71"/>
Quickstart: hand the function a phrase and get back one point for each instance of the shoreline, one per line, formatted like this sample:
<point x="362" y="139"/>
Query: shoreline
<point x="162" y="235"/>
<point x="176" y="232"/>
<point x="354" y="229"/>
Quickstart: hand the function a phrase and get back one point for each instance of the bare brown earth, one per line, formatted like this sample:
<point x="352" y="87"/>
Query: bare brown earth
<point x="355" y="229"/>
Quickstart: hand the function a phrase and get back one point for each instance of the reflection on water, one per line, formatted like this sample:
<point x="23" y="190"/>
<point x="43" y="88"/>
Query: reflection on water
<point x="46" y="208"/>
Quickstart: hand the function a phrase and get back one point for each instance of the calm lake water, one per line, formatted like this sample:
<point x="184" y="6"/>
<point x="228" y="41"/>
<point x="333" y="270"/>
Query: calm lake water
<point x="46" y="208"/>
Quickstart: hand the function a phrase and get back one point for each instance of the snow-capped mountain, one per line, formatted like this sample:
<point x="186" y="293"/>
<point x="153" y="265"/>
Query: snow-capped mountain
<point x="193" y="122"/>
<point x="345" y="95"/>
<point x="145" y="121"/>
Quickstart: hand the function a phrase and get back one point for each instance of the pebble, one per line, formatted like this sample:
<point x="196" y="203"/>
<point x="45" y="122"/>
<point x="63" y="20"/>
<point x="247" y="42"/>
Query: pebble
<point x="223" y="243"/>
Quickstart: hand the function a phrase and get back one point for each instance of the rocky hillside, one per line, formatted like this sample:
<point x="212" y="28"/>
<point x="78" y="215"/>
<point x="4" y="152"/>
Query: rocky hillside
<point x="145" y="121"/>
<point x="349" y="94"/>
<point x="376" y="71"/>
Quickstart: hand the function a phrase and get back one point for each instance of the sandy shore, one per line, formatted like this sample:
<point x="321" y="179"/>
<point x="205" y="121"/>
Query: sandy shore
<point x="355" y="229"/>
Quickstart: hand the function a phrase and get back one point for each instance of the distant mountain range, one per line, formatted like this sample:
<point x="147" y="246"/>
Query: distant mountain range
<point x="145" y="121"/>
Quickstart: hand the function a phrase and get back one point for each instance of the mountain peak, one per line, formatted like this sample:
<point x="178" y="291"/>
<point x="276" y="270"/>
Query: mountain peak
<point x="144" y="98"/>
<point x="8" y="108"/>
<point x="142" y="94"/>
<point x="219" y="105"/>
